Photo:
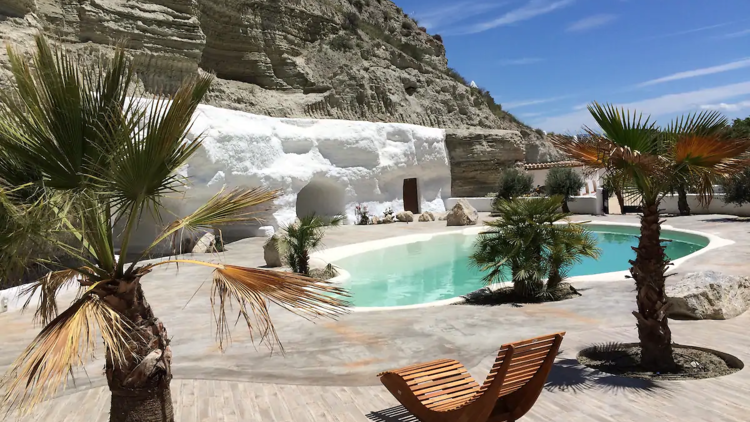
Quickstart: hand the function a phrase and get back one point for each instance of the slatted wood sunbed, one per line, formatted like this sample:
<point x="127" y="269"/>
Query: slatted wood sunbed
<point x="443" y="390"/>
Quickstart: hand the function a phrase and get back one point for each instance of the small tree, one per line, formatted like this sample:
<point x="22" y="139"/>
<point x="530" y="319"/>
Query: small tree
<point x="513" y="183"/>
<point x="737" y="188"/>
<point x="564" y="182"/>
<point x="302" y="237"/>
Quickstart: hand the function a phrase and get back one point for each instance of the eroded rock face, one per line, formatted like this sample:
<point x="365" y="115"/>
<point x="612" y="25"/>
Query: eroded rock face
<point x="281" y="58"/>
<point x="709" y="295"/>
<point x="462" y="214"/>
<point x="477" y="156"/>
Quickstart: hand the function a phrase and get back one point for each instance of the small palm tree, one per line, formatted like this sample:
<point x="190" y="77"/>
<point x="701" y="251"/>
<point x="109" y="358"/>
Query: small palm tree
<point x="302" y="237"/>
<point x="695" y="151"/>
<point x="525" y="242"/>
<point x="100" y="161"/>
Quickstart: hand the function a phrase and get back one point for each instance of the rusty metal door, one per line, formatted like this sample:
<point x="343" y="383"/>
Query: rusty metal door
<point x="411" y="196"/>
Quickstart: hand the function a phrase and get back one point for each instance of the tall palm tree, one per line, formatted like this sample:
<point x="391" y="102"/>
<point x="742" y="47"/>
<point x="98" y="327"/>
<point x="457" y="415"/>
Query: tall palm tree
<point x="525" y="246"/>
<point x="304" y="236"/>
<point x="696" y="150"/>
<point x="102" y="160"/>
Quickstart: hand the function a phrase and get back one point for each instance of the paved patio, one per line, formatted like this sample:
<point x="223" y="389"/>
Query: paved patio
<point x="328" y="371"/>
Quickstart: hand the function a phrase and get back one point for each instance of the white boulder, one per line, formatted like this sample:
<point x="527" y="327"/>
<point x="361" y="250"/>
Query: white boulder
<point x="709" y="295"/>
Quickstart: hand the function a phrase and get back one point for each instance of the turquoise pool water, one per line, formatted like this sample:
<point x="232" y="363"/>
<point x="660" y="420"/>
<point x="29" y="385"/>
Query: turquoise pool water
<point x="439" y="269"/>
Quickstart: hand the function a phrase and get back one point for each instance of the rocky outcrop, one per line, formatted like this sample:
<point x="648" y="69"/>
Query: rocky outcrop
<point x="709" y="295"/>
<point x="424" y="218"/>
<point x="476" y="157"/>
<point x="17" y="8"/>
<point x="271" y="252"/>
<point x="352" y="60"/>
<point x="462" y="214"/>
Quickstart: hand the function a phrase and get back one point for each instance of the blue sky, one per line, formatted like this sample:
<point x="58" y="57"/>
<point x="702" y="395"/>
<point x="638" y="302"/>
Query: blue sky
<point x="544" y="60"/>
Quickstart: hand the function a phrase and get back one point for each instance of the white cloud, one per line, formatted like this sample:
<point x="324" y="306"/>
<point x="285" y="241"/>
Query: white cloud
<point x="690" y="31"/>
<point x="580" y="106"/>
<point x="590" y="22"/>
<point x="737" y="34"/>
<point x="698" y="72"/>
<point x="659" y="106"/>
<point x="529" y="115"/>
<point x="727" y="107"/>
<point x="520" y="62"/>
<point x="526" y="103"/>
<point x="530" y="10"/>
<point x="444" y="16"/>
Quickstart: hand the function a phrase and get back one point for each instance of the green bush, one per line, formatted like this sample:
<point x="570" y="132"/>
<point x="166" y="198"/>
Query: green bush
<point x="351" y="21"/>
<point x="565" y="182"/>
<point x="453" y="73"/>
<point x="342" y="42"/>
<point x="737" y="188"/>
<point x="407" y="24"/>
<point x="513" y="183"/>
<point x="438" y="37"/>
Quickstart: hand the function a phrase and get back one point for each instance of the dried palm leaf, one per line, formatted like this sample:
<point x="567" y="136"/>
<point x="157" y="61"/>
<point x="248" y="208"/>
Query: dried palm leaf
<point x="67" y="342"/>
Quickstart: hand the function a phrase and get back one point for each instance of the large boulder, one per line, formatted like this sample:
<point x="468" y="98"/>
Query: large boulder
<point x="405" y="216"/>
<point x="462" y="214"/>
<point x="709" y="295"/>
<point x="272" y="252"/>
<point x="424" y="218"/>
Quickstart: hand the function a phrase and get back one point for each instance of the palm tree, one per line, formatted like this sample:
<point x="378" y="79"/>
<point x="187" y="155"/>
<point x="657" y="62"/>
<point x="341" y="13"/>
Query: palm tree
<point x="304" y="236"/>
<point x="569" y="244"/>
<point x="102" y="160"/>
<point x="525" y="242"/>
<point x="695" y="150"/>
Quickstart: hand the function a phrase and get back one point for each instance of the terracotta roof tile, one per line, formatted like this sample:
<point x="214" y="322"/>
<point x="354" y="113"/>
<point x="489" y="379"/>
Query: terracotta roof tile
<point x="542" y="166"/>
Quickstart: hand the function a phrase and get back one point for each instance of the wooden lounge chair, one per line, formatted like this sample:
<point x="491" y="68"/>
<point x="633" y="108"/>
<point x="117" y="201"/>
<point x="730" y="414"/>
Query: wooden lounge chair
<point x="443" y="390"/>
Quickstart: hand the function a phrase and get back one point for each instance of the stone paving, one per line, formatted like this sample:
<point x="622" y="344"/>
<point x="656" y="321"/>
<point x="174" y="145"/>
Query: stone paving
<point x="328" y="370"/>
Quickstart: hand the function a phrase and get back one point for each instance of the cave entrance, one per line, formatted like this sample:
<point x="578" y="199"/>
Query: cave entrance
<point x="411" y="196"/>
<point x="322" y="197"/>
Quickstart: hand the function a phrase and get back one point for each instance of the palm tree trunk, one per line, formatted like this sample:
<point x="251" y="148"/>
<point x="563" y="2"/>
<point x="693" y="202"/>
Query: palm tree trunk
<point x="682" y="202"/>
<point x="303" y="263"/>
<point x="140" y="387"/>
<point x="648" y="271"/>
<point x="620" y="201"/>
<point x="554" y="279"/>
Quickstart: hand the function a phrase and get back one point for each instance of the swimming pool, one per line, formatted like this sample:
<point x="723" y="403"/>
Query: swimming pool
<point x="438" y="267"/>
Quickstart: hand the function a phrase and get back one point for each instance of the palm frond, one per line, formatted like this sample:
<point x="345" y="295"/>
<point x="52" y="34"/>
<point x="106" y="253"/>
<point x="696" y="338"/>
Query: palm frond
<point x="626" y="129"/>
<point x="253" y="290"/>
<point x="49" y="287"/>
<point x="67" y="342"/>
<point x="236" y="206"/>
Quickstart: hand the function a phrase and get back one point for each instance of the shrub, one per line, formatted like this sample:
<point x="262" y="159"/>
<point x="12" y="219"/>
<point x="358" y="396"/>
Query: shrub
<point x="438" y="37"/>
<point x="540" y="132"/>
<point x="341" y="42"/>
<point x="359" y="4"/>
<point x="514" y="183"/>
<point x="351" y="21"/>
<point x="362" y="214"/>
<point x="407" y="24"/>
<point x="453" y="73"/>
<point x="565" y="182"/>
<point x="737" y="188"/>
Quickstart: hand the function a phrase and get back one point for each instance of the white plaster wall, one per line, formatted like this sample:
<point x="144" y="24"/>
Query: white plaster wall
<point x="717" y="206"/>
<point x="593" y="180"/>
<point x="367" y="161"/>
<point x="590" y="204"/>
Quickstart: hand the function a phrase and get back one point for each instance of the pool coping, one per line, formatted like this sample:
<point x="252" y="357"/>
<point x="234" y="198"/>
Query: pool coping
<point x="334" y="254"/>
